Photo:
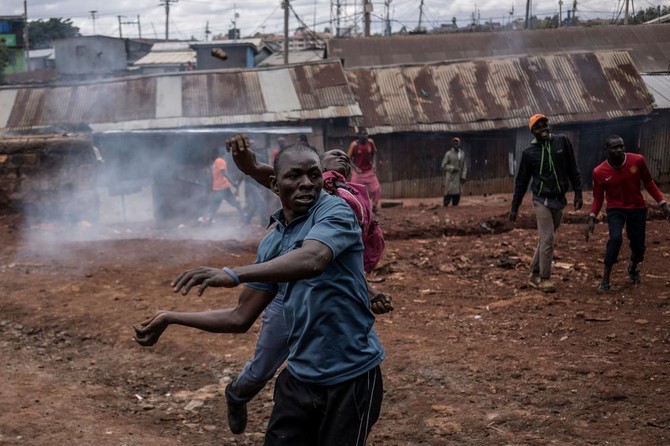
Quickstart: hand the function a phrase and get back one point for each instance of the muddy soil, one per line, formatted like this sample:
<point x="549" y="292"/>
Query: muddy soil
<point x="474" y="356"/>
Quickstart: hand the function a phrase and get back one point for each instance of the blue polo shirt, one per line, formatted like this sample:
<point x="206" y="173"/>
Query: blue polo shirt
<point x="331" y="339"/>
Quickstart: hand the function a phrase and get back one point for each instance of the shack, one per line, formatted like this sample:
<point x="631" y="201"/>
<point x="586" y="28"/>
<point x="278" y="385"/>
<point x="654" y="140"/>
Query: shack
<point x="412" y="111"/>
<point x="156" y="132"/>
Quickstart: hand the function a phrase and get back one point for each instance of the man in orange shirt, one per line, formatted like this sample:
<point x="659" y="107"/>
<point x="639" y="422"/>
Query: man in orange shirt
<point x="221" y="189"/>
<point x="362" y="155"/>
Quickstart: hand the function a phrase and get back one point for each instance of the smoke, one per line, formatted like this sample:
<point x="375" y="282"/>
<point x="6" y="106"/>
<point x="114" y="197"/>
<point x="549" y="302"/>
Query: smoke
<point x="145" y="186"/>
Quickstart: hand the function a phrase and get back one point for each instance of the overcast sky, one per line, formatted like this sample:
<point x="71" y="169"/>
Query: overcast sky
<point x="189" y="18"/>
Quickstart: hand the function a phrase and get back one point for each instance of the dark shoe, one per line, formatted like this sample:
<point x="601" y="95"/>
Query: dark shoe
<point x="604" y="287"/>
<point x="237" y="416"/>
<point x="634" y="275"/>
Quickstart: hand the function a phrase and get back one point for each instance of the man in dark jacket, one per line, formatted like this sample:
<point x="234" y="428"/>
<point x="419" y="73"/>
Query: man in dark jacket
<point x="551" y="165"/>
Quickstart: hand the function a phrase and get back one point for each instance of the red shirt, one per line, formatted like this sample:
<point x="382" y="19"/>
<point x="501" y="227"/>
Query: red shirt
<point x="621" y="187"/>
<point x="362" y="155"/>
<point x="219" y="180"/>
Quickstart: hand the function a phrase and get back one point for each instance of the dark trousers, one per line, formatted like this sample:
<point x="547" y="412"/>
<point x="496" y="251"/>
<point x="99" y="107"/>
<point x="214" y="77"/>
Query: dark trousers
<point x="455" y="199"/>
<point x="635" y="221"/>
<point x="217" y="196"/>
<point x="312" y="415"/>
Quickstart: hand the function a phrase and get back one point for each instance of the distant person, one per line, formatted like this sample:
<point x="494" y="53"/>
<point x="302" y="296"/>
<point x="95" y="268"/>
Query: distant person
<point x="221" y="188"/>
<point x="331" y="391"/>
<point x="549" y="165"/>
<point x="281" y="143"/>
<point x="362" y="152"/>
<point x="271" y="347"/>
<point x="617" y="180"/>
<point x="455" y="168"/>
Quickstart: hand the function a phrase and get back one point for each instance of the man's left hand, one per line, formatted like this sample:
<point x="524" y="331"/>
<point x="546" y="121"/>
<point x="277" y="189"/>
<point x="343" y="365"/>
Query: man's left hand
<point x="666" y="210"/>
<point x="203" y="276"/>
<point x="578" y="203"/>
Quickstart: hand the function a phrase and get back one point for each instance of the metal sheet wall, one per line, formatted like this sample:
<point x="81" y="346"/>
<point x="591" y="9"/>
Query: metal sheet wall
<point x="655" y="146"/>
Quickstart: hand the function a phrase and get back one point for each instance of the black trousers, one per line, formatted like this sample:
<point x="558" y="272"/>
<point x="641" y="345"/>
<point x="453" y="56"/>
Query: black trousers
<point x="635" y="221"/>
<point x="312" y="415"/>
<point x="455" y="199"/>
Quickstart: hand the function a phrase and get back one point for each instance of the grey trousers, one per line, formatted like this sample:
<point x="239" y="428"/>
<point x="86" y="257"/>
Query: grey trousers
<point x="548" y="221"/>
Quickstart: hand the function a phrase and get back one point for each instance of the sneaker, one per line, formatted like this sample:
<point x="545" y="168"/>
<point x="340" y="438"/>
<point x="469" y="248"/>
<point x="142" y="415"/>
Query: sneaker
<point x="546" y="286"/>
<point x="534" y="280"/>
<point x="604" y="287"/>
<point x="237" y="416"/>
<point x="634" y="275"/>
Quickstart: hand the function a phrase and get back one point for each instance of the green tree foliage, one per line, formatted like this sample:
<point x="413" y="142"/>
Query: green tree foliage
<point x="42" y="33"/>
<point x="4" y="60"/>
<point x="650" y="13"/>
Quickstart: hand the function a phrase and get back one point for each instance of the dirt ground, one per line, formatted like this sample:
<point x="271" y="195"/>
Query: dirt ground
<point x="474" y="356"/>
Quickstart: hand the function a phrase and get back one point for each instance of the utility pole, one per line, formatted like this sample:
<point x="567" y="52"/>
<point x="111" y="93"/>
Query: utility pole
<point x="236" y="15"/>
<point x="207" y="32"/>
<point x="387" y="26"/>
<point x="625" y="17"/>
<point x="418" y="28"/>
<point x="367" y="10"/>
<point x="93" y="13"/>
<point x="560" y="13"/>
<point x="285" y="5"/>
<point x="120" y="27"/>
<point x="130" y="23"/>
<point x="527" y="14"/>
<point x="167" y="16"/>
<point x="26" y="40"/>
<point x="139" y="27"/>
<point x="574" y="11"/>
<point x="337" y="18"/>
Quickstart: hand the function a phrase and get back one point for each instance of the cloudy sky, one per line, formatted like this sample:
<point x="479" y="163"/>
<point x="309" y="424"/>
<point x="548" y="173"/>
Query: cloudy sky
<point x="189" y="18"/>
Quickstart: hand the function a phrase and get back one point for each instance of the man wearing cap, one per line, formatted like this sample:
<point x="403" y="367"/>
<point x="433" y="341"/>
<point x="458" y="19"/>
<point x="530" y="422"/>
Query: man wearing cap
<point x="549" y="165"/>
<point x="453" y="164"/>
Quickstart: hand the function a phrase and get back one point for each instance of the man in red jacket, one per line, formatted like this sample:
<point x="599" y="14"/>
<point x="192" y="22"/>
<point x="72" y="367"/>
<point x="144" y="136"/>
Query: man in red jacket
<point x="617" y="180"/>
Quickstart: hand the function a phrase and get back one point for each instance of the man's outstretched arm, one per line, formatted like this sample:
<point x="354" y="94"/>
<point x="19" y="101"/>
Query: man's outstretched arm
<point x="239" y="319"/>
<point x="245" y="160"/>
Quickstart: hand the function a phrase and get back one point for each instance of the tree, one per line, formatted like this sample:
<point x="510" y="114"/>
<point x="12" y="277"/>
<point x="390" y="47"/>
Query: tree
<point x="42" y="33"/>
<point x="650" y="13"/>
<point x="4" y="60"/>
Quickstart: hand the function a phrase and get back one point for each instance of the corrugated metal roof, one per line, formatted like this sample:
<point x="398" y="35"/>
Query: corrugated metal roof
<point x="196" y="98"/>
<point x="256" y="43"/>
<point x="293" y="57"/>
<point x="649" y="45"/>
<point x="659" y="86"/>
<point x="36" y="54"/>
<point x="170" y="47"/>
<point x="489" y="94"/>
<point x="166" y="58"/>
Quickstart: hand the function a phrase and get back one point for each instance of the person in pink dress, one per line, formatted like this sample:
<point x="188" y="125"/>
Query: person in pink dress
<point x="362" y="153"/>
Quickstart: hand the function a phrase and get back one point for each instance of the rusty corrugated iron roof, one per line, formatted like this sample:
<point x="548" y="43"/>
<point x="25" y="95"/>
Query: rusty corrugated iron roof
<point x="659" y="86"/>
<point x="649" y="45"/>
<point x="316" y="90"/>
<point x="490" y="94"/>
